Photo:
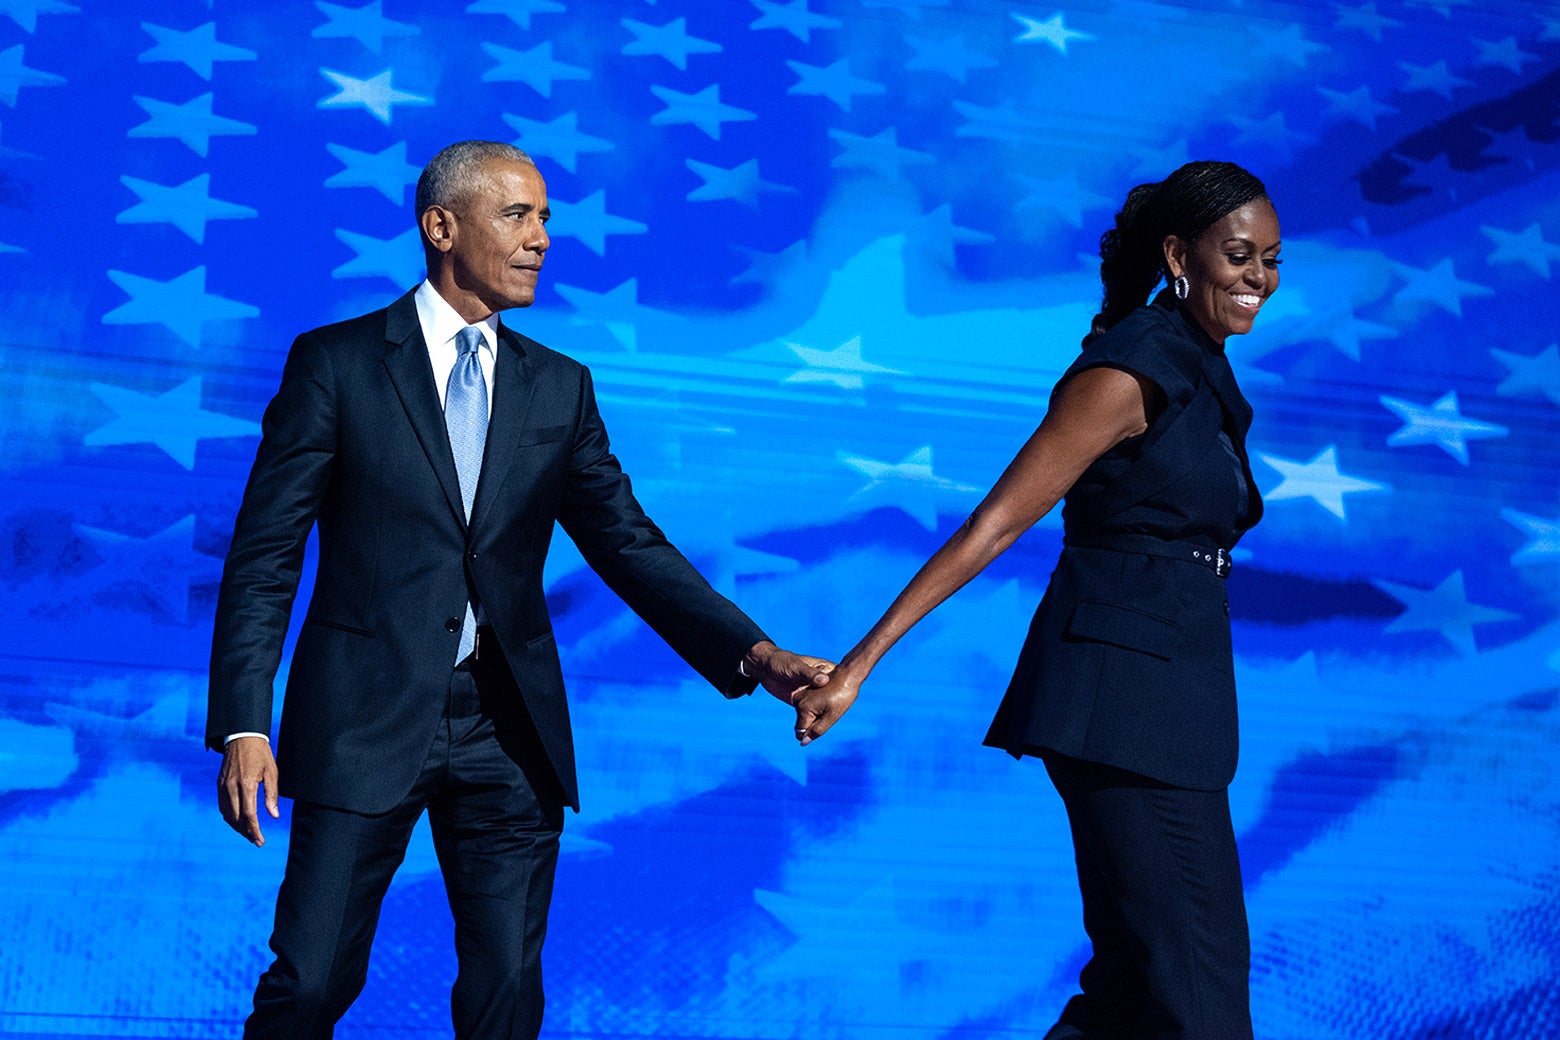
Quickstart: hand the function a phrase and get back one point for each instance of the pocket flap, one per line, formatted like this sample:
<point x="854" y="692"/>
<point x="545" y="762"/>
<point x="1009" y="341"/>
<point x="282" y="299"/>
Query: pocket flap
<point x="1127" y="627"/>
<point x="541" y="435"/>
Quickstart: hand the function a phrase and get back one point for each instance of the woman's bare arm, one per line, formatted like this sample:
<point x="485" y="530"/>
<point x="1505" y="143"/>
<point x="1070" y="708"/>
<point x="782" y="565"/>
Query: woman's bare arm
<point x="1096" y="410"/>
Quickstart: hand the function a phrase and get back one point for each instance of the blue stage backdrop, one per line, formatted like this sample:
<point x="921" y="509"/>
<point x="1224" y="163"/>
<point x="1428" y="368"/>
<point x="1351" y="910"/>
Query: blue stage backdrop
<point x="826" y="259"/>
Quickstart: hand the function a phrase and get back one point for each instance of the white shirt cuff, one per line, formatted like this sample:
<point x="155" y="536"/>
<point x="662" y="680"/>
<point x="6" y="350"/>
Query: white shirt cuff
<point x="234" y="736"/>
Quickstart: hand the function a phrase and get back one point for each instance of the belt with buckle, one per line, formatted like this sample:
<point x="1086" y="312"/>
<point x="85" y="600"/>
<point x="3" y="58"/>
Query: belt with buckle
<point x="1216" y="559"/>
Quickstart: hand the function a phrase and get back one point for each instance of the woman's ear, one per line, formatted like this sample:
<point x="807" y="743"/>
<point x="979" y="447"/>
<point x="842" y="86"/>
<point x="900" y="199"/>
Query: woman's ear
<point x="1175" y="256"/>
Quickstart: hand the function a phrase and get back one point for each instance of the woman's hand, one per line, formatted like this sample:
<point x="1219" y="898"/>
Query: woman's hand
<point x="820" y="707"/>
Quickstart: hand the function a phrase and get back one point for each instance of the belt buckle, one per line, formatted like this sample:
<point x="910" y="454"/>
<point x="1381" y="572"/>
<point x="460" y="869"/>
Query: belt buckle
<point x="1221" y="564"/>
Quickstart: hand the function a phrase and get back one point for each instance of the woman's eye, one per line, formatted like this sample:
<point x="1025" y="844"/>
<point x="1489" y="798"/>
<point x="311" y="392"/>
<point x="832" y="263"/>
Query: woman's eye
<point x="1238" y="258"/>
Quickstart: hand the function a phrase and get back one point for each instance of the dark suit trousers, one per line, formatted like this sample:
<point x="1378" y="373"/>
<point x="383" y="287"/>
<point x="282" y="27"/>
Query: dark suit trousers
<point x="495" y="827"/>
<point x="1163" y="906"/>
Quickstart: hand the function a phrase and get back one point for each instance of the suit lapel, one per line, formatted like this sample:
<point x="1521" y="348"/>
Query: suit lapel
<point x="406" y="358"/>
<point x="512" y="390"/>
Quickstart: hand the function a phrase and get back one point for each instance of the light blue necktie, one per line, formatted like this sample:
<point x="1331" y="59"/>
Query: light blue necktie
<point x="466" y="419"/>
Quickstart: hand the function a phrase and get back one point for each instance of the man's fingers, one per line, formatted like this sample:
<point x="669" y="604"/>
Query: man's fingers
<point x="249" y="817"/>
<point x="271" y="805"/>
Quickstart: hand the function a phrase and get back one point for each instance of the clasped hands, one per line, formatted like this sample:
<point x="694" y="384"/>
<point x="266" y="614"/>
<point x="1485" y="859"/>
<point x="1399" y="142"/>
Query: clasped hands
<point x="819" y="690"/>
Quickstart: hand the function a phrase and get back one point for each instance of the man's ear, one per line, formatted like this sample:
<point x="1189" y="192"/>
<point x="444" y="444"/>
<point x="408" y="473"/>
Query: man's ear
<point x="438" y="228"/>
<point x="1175" y="255"/>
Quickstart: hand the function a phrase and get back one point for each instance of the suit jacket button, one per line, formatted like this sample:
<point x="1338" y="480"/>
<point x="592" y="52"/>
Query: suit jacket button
<point x="452" y="624"/>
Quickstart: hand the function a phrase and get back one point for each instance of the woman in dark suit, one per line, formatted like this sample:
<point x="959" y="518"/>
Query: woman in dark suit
<point x="1125" y="685"/>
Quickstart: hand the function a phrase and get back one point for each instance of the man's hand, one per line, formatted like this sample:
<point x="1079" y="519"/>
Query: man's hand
<point x="783" y="673"/>
<point x="819" y="707"/>
<point x="247" y="763"/>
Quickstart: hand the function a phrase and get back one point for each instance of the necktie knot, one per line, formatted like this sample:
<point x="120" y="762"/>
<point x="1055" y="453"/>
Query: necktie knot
<point x="468" y="341"/>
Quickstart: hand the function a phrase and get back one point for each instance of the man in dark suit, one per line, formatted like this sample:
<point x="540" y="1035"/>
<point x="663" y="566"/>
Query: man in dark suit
<point x="426" y="676"/>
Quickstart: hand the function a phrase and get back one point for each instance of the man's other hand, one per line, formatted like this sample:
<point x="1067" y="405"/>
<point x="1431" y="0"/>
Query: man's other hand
<point x="783" y="673"/>
<point x="247" y="763"/>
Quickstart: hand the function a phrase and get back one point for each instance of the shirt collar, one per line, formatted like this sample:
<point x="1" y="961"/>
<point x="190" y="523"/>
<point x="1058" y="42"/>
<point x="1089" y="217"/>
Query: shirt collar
<point x="441" y="322"/>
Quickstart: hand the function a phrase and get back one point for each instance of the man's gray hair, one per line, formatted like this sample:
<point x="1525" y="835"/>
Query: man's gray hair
<point x="449" y="175"/>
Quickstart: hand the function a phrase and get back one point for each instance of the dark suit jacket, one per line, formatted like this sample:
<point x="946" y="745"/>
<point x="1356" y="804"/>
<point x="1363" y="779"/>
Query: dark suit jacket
<point x="355" y="441"/>
<point x="1128" y="660"/>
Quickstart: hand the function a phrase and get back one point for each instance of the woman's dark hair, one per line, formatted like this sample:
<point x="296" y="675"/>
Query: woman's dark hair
<point x="1184" y="204"/>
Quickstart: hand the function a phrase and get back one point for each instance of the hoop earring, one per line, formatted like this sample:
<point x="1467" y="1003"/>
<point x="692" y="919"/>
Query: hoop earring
<point x="1183" y="288"/>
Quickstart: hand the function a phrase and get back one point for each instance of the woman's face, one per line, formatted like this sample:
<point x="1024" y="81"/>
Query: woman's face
<point x="1231" y="268"/>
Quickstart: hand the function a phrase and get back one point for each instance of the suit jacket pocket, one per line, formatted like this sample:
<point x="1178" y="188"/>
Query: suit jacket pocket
<point x="338" y="626"/>
<point x="1099" y="621"/>
<point x="541" y="435"/>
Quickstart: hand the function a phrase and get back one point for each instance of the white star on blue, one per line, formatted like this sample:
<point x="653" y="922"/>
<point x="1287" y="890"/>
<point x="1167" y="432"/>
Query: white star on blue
<point x="1357" y="105"/>
<point x="671" y="41"/>
<point x="1526" y="247"/>
<point x="793" y="17"/>
<point x="843" y="367"/>
<point x="1538" y="374"/>
<point x="1287" y="42"/>
<point x="618" y="309"/>
<point x="173" y="420"/>
<point x="197" y="48"/>
<point x="1543" y="537"/>
<point x="909" y="8"/>
<point x="1062" y="196"/>
<point x="25" y="12"/>
<point x="1441" y="424"/>
<point x="162" y="565"/>
<point x="880" y="153"/>
<point x="1004" y="122"/>
<point x="1271" y="130"/>
<point x="1318" y="480"/>
<point x="535" y="67"/>
<point x="1344" y="329"/>
<point x="833" y="82"/>
<point x="949" y="56"/>
<point x="192" y="122"/>
<point x="1444" y="609"/>
<point x="376" y="95"/>
<point x="769" y="269"/>
<point x="1434" y="78"/>
<point x="1505" y="54"/>
<point x="181" y="304"/>
<point x="399" y="259"/>
<point x="387" y="172"/>
<point x="517" y="11"/>
<point x="703" y="110"/>
<point x="935" y="234"/>
<point x="559" y="140"/>
<point x="588" y="221"/>
<point x="741" y="184"/>
<point x="1052" y="31"/>
<point x="1365" y="19"/>
<point x="1438" y="285"/>
<point x="14" y="75"/>
<point x="188" y="206"/>
<point x="909" y="485"/>
<point x="367" y="24"/>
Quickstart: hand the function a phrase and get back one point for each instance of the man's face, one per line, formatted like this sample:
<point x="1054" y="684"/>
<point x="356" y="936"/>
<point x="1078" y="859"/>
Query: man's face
<point x="493" y="239"/>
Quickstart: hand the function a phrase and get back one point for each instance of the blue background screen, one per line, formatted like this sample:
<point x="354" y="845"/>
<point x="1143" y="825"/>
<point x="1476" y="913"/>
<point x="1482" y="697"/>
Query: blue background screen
<point x="825" y="259"/>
